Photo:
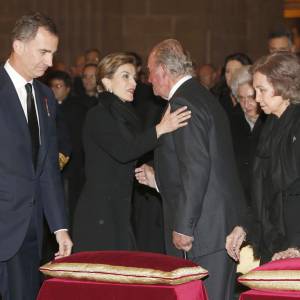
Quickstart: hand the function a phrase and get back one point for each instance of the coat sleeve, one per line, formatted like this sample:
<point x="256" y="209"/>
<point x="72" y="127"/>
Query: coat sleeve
<point x="50" y="179"/>
<point x="192" y="149"/>
<point x="116" y="139"/>
<point x="291" y="202"/>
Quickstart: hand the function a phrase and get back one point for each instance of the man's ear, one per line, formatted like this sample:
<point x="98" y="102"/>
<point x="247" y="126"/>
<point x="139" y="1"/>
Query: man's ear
<point x="107" y="83"/>
<point x="18" y="46"/>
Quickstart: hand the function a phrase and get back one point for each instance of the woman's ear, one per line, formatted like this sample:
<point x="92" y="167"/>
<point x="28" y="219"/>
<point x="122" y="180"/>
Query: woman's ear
<point x="107" y="84"/>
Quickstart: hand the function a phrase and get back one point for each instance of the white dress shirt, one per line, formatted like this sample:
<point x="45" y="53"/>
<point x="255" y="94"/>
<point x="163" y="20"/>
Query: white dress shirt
<point x="176" y="86"/>
<point x="19" y="83"/>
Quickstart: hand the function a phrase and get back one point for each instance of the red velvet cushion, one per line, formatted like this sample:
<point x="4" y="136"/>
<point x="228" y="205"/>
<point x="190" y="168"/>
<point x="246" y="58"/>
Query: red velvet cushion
<point x="278" y="275"/>
<point x="125" y="266"/>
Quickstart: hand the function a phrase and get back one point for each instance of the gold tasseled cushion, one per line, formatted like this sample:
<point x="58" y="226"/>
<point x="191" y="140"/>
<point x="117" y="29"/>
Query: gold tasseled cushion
<point x="125" y="267"/>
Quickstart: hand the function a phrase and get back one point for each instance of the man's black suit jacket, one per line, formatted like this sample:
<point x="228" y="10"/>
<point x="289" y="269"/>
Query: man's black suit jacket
<point x="196" y="174"/>
<point x="24" y="190"/>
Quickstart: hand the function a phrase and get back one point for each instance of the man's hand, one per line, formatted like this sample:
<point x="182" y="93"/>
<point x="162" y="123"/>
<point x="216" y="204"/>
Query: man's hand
<point x="182" y="242"/>
<point x="65" y="244"/>
<point x="145" y="175"/>
<point x="234" y="242"/>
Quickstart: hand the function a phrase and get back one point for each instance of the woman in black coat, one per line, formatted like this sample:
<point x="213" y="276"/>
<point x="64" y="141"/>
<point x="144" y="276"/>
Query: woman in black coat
<point x="113" y="141"/>
<point x="245" y="127"/>
<point x="275" y="192"/>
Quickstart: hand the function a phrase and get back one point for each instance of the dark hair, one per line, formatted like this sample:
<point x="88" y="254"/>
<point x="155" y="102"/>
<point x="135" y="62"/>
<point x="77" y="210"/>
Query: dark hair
<point x="281" y="31"/>
<point x="60" y="75"/>
<point x="110" y="63"/>
<point x="27" y="26"/>
<point x="92" y="50"/>
<point x="282" y="70"/>
<point x="89" y="65"/>
<point x="243" y="58"/>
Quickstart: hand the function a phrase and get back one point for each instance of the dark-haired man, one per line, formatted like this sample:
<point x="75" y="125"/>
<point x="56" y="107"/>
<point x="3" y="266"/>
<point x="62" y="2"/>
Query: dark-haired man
<point x="280" y="39"/>
<point x="30" y="184"/>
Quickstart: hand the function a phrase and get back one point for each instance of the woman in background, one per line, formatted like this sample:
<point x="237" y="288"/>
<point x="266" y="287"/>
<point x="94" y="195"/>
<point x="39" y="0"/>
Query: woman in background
<point x="245" y="127"/>
<point x="113" y="141"/>
<point x="222" y="90"/>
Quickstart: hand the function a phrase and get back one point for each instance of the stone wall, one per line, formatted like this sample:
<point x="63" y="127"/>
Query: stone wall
<point x="210" y="29"/>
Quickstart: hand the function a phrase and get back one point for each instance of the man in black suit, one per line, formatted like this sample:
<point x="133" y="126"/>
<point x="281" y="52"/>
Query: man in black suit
<point x="195" y="171"/>
<point x="30" y="183"/>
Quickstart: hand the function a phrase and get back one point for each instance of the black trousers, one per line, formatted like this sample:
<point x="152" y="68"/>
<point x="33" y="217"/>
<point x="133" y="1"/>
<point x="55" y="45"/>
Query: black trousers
<point x="19" y="276"/>
<point x="220" y="283"/>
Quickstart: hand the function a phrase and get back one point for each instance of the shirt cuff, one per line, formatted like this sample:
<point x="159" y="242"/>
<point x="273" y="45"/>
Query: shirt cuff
<point x="63" y="229"/>
<point x="184" y="234"/>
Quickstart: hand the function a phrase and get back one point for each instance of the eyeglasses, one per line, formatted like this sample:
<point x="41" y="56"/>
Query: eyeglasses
<point x="247" y="98"/>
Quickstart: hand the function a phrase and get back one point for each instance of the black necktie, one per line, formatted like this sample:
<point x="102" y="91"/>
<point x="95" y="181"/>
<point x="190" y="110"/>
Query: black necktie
<point x="33" y="125"/>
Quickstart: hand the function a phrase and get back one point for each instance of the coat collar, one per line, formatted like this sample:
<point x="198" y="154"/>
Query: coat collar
<point x="122" y="111"/>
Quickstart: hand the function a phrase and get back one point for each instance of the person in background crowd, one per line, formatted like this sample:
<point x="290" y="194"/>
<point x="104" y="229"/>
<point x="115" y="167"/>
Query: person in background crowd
<point x="222" y="89"/>
<point x="76" y="73"/>
<point x="113" y="140"/>
<point x="280" y="39"/>
<point x="246" y="127"/>
<point x="30" y="180"/>
<point x="60" y="83"/>
<point x="275" y="203"/>
<point x="207" y="75"/>
<point x="92" y="56"/>
<point x="72" y="113"/>
<point x="202" y="197"/>
<point x="89" y="75"/>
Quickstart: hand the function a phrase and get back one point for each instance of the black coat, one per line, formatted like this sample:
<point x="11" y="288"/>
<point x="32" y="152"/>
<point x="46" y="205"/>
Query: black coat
<point x="276" y="184"/>
<point x="147" y="213"/>
<point x="196" y="174"/>
<point x="245" y="142"/>
<point x="113" y="141"/>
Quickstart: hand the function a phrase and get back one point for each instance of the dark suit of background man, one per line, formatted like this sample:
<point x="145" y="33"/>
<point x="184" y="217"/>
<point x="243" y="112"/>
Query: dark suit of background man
<point x="195" y="171"/>
<point x="30" y="185"/>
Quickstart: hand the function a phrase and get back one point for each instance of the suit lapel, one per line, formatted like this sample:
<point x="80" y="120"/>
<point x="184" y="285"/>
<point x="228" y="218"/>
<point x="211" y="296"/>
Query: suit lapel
<point x="13" y="111"/>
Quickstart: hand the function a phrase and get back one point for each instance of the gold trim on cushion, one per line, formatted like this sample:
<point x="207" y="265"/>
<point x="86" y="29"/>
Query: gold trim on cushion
<point x="272" y="280"/>
<point x="121" y="274"/>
